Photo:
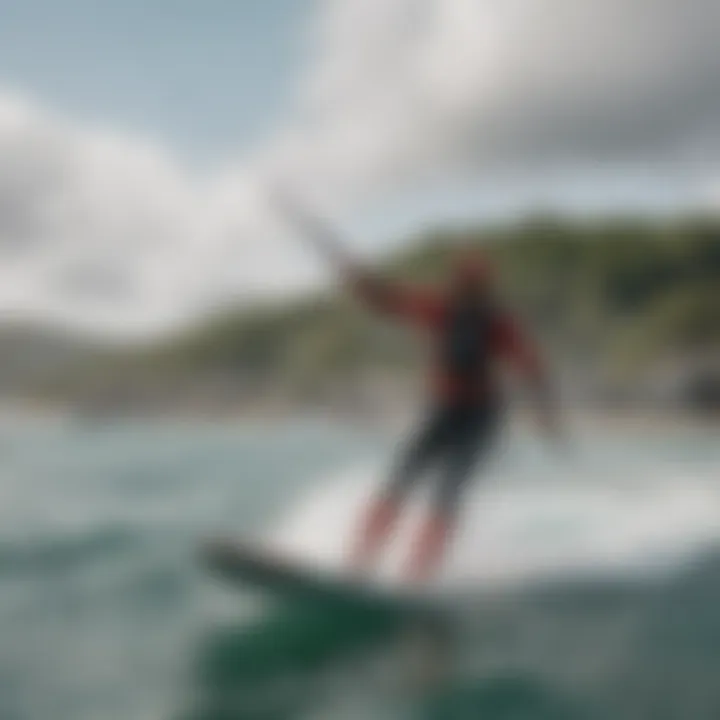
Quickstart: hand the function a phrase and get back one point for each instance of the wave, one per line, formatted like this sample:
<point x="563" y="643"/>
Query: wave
<point x="626" y="648"/>
<point x="61" y="553"/>
<point x="518" y="528"/>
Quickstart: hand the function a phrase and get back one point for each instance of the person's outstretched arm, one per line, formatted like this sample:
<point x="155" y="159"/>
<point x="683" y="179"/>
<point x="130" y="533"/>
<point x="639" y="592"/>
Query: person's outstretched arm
<point x="375" y="292"/>
<point x="417" y="306"/>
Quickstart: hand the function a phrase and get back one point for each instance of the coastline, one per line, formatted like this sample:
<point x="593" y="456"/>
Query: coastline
<point x="393" y="419"/>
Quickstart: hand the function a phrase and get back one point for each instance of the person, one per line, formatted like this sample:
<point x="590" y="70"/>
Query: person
<point x="470" y="334"/>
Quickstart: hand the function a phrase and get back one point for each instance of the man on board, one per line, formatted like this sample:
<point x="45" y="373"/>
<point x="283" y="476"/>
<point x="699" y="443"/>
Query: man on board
<point x="470" y="333"/>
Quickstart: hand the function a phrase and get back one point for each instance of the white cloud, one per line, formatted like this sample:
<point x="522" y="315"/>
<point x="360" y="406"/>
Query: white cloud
<point x="110" y="231"/>
<point x="400" y="86"/>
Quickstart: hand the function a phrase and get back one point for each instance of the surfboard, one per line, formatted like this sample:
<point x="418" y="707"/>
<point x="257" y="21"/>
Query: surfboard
<point x="293" y="581"/>
<point x="320" y="618"/>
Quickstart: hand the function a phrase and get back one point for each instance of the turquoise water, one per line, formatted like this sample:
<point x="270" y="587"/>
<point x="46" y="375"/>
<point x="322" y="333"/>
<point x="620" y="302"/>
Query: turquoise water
<point x="584" y="588"/>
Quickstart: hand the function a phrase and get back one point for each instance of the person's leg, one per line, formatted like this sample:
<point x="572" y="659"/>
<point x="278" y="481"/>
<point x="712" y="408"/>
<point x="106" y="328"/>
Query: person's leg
<point x="472" y="439"/>
<point x="384" y="510"/>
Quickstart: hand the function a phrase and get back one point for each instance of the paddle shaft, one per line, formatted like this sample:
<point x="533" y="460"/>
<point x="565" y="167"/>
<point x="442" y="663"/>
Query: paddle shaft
<point x="318" y="232"/>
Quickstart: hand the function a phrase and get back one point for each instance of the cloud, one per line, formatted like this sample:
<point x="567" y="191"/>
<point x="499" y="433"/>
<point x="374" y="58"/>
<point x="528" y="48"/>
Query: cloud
<point x="403" y="86"/>
<point x="111" y="231"/>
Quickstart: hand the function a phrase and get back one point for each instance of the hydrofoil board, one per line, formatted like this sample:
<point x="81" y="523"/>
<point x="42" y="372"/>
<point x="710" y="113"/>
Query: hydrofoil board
<point x="298" y="582"/>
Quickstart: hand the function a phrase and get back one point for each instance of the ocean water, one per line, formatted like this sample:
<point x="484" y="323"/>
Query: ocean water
<point x="580" y="586"/>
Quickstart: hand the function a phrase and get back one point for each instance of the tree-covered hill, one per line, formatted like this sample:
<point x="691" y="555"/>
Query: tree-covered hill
<point x="610" y="300"/>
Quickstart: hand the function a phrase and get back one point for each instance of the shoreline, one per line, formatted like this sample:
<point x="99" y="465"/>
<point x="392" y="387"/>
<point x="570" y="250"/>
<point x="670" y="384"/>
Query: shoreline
<point x="395" y="420"/>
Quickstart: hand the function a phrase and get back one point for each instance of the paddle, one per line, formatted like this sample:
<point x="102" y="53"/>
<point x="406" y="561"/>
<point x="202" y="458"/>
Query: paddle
<point x="323" y="237"/>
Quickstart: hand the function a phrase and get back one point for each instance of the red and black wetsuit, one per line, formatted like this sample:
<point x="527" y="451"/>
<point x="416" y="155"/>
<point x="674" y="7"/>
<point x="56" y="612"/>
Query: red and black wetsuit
<point x="468" y="338"/>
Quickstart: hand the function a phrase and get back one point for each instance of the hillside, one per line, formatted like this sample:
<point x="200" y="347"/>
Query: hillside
<point x="611" y="301"/>
<point x="29" y="354"/>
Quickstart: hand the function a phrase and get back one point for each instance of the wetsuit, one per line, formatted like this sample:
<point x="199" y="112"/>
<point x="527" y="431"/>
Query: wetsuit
<point x="468" y="338"/>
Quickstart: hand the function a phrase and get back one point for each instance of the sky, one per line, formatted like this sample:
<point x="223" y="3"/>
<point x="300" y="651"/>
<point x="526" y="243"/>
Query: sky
<point x="138" y="140"/>
<point x="203" y="77"/>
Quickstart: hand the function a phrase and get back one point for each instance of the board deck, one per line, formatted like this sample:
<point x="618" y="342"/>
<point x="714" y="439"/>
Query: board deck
<point x="292" y="581"/>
